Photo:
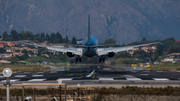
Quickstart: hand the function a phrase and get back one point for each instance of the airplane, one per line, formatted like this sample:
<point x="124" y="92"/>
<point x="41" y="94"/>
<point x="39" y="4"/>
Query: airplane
<point x="90" y="48"/>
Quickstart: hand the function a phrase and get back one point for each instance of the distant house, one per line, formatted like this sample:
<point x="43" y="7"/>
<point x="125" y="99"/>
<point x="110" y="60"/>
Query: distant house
<point x="169" y="59"/>
<point x="5" y="56"/>
<point x="17" y="54"/>
<point x="5" y="62"/>
<point x="46" y="55"/>
<point x="12" y="43"/>
<point x="173" y="55"/>
<point x="145" y="48"/>
<point x="79" y="41"/>
<point x="21" y="62"/>
<point x="3" y="44"/>
<point x="9" y="49"/>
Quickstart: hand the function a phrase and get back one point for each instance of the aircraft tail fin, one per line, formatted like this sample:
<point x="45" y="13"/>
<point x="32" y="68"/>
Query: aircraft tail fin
<point x="89" y="35"/>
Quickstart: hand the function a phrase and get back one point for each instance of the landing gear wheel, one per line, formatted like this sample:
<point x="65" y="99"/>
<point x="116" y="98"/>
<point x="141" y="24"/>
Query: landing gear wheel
<point x="102" y="59"/>
<point x="78" y="59"/>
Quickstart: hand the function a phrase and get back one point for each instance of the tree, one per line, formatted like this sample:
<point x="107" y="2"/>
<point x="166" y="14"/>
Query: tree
<point x="2" y="50"/>
<point x="5" y="36"/>
<point x="74" y="40"/>
<point x="67" y="39"/>
<point x="140" y="54"/>
<point x="110" y="41"/>
<point x="24" y="57"/>
<point x="14" y="60"/>
<point x="24" y="51"/>
<point x="123" y="55"/>
<point x="14" y="35"/>
<point x="143" y="40"/>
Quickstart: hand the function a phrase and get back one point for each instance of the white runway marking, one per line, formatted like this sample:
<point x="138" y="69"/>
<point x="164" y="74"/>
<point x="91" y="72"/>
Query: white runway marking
<point x="144" y="74"/>
<point x="133" y="79"/>
<point x="37" y="75"/>
<point x="20" y="76"/>
<point x="37" y="80"/>
<point x="64" y="79"/>
<point x="106" y="79"/>
<point x="160" y="79"/>
<point x="12" y="80"/>
<point x="91" y="74"/>
<point x="26" y="72"/>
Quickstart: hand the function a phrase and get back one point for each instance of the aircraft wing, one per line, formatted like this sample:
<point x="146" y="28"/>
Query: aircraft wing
<point x="76" y="51"/>
<point x="104" y="51"/>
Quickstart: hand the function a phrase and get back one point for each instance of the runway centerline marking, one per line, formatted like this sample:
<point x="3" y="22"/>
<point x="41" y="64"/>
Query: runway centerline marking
<point x="133" y="79"/>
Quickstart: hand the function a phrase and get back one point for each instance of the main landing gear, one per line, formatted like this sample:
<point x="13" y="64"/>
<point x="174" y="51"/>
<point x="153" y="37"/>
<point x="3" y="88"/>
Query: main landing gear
<point x="78" y="59"/>
<point x="101" y="59"/>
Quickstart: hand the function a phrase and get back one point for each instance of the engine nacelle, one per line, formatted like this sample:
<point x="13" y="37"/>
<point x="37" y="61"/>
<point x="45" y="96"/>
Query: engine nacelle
<point x="69" y="54"/>
<point x="111" y="54"/>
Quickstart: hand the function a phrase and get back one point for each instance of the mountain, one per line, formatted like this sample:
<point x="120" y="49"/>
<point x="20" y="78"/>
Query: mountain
<point x="123" y="20"/>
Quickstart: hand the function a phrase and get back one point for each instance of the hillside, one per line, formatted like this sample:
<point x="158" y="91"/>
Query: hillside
<point x="123" y="20"/>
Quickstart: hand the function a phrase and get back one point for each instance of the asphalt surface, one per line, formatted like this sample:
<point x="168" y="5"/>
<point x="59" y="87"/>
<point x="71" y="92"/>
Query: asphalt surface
<point x="96" y="75"/>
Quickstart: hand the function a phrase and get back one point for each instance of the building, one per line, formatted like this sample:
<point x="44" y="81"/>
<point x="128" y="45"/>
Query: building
<point x="79" y="41"/>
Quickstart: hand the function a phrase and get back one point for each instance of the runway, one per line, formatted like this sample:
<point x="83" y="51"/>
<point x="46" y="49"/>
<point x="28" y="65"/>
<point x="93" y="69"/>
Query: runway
<point x="96" y="75"/>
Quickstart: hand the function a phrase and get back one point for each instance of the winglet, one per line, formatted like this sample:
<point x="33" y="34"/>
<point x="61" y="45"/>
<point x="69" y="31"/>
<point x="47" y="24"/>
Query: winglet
<point x="19" y="39"/>
<point x="161" y="43"/>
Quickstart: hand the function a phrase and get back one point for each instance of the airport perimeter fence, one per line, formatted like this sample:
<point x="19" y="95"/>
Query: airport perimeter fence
<point x="74" y="93"/>
<point x="50" y="92"/>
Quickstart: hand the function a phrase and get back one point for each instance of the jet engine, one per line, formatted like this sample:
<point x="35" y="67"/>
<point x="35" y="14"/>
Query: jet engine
<point x="111" y="54"/>
<point x="69" y="54"/>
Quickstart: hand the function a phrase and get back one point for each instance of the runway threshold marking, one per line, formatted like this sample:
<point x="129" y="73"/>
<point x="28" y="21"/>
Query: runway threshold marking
<point x="106" y="78"/>
<point x="64" y="79"/>
<point x="12" y="80"/>
<point x="160" y="79"/>
<point x="133" y="79"/>
<point x="37" y="80"/>
<point x="20" y="76"/>
<point x="37" y="75"/>
<point x="81" y="77"/>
